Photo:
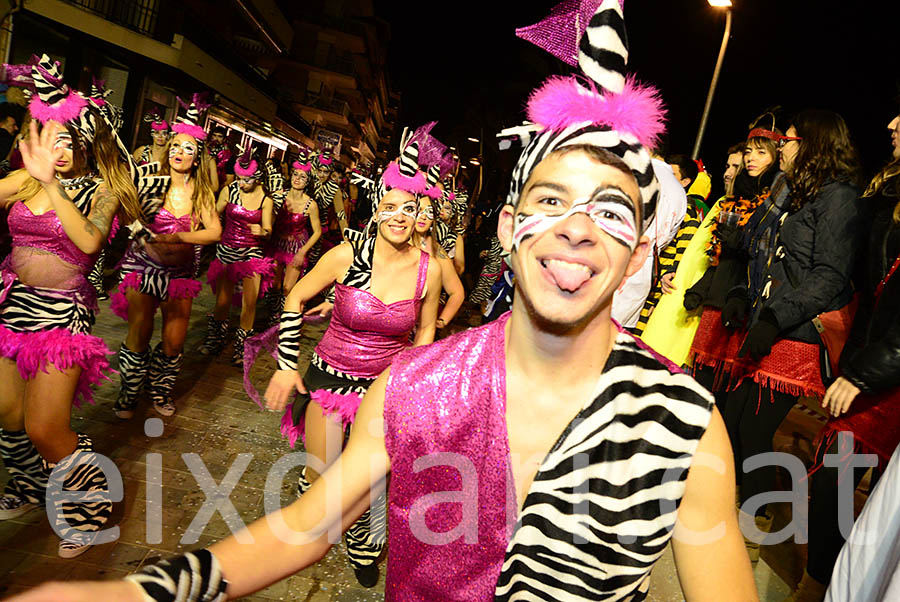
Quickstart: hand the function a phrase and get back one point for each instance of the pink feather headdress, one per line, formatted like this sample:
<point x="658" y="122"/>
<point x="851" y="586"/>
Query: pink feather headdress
<point x="189" y="122"/>
<point x="393" y="177"/>
<point x="53" y="99"/>
<point x="246" y="166"/>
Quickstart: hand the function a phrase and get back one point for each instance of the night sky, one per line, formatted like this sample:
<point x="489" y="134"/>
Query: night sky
<point x="461" y="64"/>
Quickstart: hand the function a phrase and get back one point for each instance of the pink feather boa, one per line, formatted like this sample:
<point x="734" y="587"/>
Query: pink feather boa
<point x="562" y="102"/>
<point x="342" y="407"/>
<point x="191" y="130"/>
<point x="239" y="270"/>
<point x="393" y="178"/>
<point x="179" y="288"/>
<point x="64" y="111"/>
<point x="253" y="346"/>
<point x="58" y="348"/>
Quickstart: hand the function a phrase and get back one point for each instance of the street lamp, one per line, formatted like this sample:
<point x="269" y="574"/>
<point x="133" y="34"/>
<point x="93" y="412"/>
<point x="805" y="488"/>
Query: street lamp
<point x="726" y="4"/>
<point x="473" y="139"/>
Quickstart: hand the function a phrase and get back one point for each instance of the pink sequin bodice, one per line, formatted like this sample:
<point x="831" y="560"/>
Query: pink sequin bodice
<point x="291" y="225"/>
<point x="45" y="232"/>
<point x="166" y="223"/>
<point x="445" y="417"/>
<point x="365" y="333"/>
<point x="237" y="221"/>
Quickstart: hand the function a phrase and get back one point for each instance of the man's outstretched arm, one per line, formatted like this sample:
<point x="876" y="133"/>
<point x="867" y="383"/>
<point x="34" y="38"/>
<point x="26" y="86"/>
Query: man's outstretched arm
<point x="285" y="541"/>
<point x="710" y="556"/>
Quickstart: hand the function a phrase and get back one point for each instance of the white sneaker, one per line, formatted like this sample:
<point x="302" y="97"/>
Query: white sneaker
<point x="12" y="506"/>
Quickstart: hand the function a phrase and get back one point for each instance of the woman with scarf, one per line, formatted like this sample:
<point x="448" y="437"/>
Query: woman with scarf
<point x="157" y="271"/>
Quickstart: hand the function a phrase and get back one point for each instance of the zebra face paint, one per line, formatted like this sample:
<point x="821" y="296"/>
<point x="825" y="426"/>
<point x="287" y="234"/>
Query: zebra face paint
<point x="407" y="209"/>
<point x="609" y="208"/>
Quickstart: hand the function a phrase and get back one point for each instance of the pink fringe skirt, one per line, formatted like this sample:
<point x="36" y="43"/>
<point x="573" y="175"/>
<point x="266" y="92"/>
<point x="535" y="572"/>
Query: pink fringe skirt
<point x="178" y="288"/>
<point x="237" y="271"/>
<point x="341" y="406"/>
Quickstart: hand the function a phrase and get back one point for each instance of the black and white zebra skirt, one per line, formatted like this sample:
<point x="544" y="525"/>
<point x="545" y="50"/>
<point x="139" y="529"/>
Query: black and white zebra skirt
<point x="43" y="328"/>
<point x="142" y="273"/>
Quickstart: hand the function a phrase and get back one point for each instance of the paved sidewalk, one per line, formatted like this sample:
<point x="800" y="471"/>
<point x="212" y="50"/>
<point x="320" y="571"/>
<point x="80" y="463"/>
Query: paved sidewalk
<point x="217" y="421"/>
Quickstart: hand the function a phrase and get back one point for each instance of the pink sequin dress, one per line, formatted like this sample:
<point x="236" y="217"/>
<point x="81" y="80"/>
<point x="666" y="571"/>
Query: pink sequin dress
<point x="46" y="303"/>
<point x="292" y="231"/>
<point x="145" y="274"/>
<point x="239" y="254"/>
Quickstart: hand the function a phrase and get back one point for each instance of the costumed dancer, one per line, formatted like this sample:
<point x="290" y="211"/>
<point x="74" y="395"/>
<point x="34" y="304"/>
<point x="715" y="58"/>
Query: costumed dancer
<point x="222" y="156"/>
<point x="297" y="229"/>
<point x="239" y="255"/>
<point x="537" y="413"/>
<point x="384" y="289"/>
<point x="423" y="238"/>
<point x="61" y="207"/>
<point x="324" y="191"/>
<point x="863" y="401"/>
<point x="155" y="152"/>
<point x="158" y="267"/>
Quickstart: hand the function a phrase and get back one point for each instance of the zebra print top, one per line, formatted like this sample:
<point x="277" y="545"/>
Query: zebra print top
<point x="594" y="532"/>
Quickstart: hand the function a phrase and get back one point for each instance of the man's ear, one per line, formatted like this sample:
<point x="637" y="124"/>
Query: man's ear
<point x="638" y="256"/>
<point x="505" y="222"/>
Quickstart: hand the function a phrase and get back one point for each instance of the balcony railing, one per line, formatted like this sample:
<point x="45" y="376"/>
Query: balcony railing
<point x="142" y="16"/>
<point x="332" y="105"/>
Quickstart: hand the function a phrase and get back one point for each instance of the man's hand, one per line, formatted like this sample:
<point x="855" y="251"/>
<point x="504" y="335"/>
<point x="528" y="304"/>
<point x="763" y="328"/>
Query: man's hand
<point x="666" y="283"/>
<point x="280" y="388"/>
<point x="839" y="396"/>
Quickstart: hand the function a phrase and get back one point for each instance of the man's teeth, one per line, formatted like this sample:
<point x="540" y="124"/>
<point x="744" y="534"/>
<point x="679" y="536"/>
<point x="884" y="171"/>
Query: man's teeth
<point x="567" y="265"/>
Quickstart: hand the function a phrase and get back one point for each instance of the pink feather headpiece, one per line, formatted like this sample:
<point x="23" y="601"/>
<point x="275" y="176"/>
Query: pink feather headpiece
<point x="394" y="178"/>
<point x="188" y="123"/>
<point x="246" y="166"/>
<point x="562" y="102"/>
<point x="433" y="193"/>
<point x="301" y="166"/>
<point x="54" y="100"/>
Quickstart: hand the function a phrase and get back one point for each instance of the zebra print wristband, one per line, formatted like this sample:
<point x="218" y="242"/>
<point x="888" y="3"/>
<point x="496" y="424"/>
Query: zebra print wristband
<point x="193" y="577"/>
<point x="289" y="340"/>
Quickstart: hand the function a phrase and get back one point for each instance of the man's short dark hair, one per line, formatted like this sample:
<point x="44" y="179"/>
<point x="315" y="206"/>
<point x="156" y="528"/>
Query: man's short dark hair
<point x="686" y="165"/>
<point x="8" y="109"/>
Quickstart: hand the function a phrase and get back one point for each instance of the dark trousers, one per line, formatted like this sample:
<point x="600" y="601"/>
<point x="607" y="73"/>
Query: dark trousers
<point x="752" y="414"/>
<point x="825" y="539"/>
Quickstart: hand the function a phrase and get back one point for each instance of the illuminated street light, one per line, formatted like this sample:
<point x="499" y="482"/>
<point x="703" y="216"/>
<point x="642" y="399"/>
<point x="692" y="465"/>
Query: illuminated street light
<point x="726" y="4"/>
<point x="474" y="162"/>
<point x="473" y="139"/>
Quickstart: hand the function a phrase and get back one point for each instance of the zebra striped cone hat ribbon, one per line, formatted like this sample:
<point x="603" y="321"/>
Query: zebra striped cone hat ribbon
<point x="603" y="108"/>
<point x="112" y="113"/>
<point x="246" y="166"/>
<point x="189" y="122"/>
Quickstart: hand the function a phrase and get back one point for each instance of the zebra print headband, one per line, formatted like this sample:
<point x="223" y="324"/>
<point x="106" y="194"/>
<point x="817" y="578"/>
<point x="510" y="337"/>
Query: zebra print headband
<point x="605" y="108"/>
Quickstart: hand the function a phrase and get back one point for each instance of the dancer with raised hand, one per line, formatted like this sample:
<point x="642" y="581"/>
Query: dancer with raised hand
<point x="239" y="255"/>
<point x="77" y="177"/>
<point x="157" y="270"/>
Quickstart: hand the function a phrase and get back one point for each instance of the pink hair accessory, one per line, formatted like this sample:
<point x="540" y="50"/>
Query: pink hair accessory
<point x="394" y="178"/>
<point x="159" y="125"/>
<point x="301" y="166"/>
<point x="451" y="196"/>
<point x="191" y="130"/>
<point x="563" y="102"/>
<point x="246" y="172"/>
<point x="325" y="160"/>
<point x="764" y="133"/>
<point x="66" y="110"/>
<point x="433" y="193"/>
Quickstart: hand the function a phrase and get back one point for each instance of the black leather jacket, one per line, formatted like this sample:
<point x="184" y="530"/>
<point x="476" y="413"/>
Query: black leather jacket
<point x="871" y="359"/>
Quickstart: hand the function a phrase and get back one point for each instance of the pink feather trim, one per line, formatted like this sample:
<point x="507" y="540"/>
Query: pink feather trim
<point x="326" y="161"/>
<point x="118" y="304"/>
<point x="246" y="172"/>
<point x="562" y="102"/>
<point x="393" y="178"/>
<point x="433" y="193"/>
<point x="239" y="270"/>
<point x="159" y="125"/>
<point x="64" y="111"/>
<point x="301" y="166"/>
<point x="191" y="130"/>
<point x="58" y="348"/>
<point x="339" y="405"/>
<point x="289" y="430"/>
<point x="184" y="288"/>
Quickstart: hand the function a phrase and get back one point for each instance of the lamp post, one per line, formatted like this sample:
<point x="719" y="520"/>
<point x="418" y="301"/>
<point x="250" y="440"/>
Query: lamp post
<point x="726" y="4"/>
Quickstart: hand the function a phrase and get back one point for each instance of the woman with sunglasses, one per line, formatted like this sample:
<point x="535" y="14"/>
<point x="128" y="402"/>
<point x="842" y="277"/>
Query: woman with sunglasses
<point x="802" y="252"/>
<point x="157" y="272"/>
<point x="248" y="210"/>
<point x="423" y="238"/>
<point x="385" y="288"/>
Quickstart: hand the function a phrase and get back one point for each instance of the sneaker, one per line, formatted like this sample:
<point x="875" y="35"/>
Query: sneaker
<point x="69" y="548"/>
<point x="165" y="407"/>
<point x="124" y="414"/>
<point x="12" y="506"/>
